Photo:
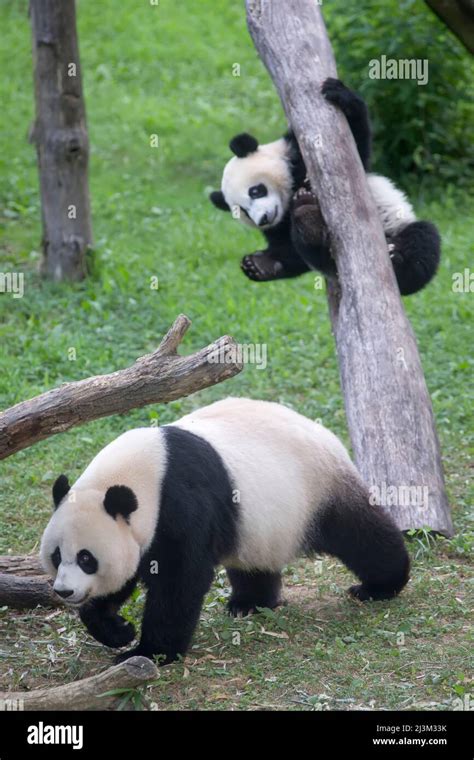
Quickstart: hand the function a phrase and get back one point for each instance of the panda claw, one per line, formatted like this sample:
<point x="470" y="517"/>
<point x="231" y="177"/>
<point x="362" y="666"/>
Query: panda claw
<point x="302" y="192"/>
<point x="334" y="90"/>
<point x="303" y="197"/>
<point x="239" y="611"/>
<point x="135" y="652"/>
<point x="364" y="594"/>
<point x="248" y="267"/>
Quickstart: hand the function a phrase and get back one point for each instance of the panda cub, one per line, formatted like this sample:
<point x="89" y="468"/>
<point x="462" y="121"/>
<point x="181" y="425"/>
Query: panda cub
<point x="265" y="186"/>
<point x="247" y="484"/>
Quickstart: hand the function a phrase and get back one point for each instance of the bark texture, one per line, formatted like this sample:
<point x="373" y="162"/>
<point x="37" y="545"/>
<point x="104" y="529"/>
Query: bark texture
<point x="24" y="593"/>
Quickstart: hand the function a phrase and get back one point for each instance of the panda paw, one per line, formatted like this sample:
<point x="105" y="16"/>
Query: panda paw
<point x="395" y="254"/>
<point x="336" y="92"/>
<point x="118" y="634"/>
<point x="137" y="651"/>
<point x="307" y="226"/>
<point x="140" y="651"/>
<point x="111" y="630"/>
<point x="365" y="594"/>
<point x="260" y="267"/>
<point x="240" y="609"/>
<point x="359" y="592"/>
<point x="303" y="197"/>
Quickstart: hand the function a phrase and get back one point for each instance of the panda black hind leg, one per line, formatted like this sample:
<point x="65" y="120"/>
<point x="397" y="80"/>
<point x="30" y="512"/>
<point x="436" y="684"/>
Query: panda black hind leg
<point x="415" y="252"/>
<point x="309" y="234"/>
<point x="253" y="589"/>
<point x="366" y="540"/>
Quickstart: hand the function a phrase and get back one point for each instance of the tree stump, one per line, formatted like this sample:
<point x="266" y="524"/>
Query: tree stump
<point x="60" y="136"/>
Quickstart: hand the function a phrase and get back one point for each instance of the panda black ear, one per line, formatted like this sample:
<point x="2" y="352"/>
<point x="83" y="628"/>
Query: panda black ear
<point x="120" y="500"/>
<point x="217" y="198"/>
<point x="60" y="488"/>
<point x="243" y="144"/>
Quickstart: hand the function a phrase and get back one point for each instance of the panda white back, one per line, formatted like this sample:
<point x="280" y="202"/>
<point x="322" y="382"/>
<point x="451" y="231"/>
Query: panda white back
<point x="284" y="465"/>
<point x="395" y="210"/>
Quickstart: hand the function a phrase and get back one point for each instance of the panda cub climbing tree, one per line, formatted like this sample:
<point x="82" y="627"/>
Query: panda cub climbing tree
<point x="247" y="484"/>
<point x="265" y="186"/>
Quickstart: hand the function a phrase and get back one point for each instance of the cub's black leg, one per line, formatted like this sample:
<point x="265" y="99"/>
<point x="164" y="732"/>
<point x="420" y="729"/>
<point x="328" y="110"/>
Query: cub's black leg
<point x="309" y="234"/>
<point x="356" y="113"/>
<point x="273" y="264"/>
<point x="366" y="540"/>
<point x="102" y="621"/>
<point x="172" y="608"/>
<point x="253" y="589"/>
<point x="415" y="252"/>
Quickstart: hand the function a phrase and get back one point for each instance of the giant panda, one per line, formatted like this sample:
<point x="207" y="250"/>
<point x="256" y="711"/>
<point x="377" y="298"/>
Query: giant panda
<point x="265" y="186"/>
<point x="243" y="483"/>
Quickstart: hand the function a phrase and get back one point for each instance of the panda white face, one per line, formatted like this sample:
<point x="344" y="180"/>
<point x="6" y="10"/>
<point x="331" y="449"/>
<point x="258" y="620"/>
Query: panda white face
<point x="88" y="550"/>
<point x="258" y="187"/>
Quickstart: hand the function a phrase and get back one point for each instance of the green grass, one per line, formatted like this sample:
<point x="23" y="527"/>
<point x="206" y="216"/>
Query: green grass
<point x="168" y="70"/>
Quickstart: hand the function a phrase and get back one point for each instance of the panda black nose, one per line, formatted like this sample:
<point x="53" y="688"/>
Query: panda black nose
<point x="263" y="220"/>
<point x="64" y="593"/>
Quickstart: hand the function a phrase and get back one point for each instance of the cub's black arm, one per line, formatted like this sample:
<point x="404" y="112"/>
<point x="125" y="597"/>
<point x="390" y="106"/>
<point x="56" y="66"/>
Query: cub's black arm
<point x="277" y="262"/>
<point x="356" y="113"/>
<point x="273" y="264"/>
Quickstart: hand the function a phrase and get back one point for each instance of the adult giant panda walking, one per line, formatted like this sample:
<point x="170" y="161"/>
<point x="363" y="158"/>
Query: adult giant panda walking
<point x="265" y="187"/>
<point x="247" y="484"/>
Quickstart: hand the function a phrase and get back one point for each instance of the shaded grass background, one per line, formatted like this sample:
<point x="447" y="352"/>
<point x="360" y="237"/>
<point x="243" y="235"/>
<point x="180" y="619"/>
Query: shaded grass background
<point x="167" y="70"/>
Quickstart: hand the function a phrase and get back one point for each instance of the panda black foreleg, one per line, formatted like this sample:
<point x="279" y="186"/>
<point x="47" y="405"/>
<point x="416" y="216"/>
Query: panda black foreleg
<point x="253" y="589"/>
<point x="415" y="252"/>
<point x="355" y="110"/>
<point x="172" y="607"/>
<point x="366" y="540"/>
<point x="275" y="263"/>
<point x="101" y="618"/>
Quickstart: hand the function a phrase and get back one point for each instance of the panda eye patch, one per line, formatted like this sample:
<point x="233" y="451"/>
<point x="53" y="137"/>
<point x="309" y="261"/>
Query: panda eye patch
<point x="258" y="191"/>
<point x="87" y="562"/>
<point x="56" y="558"/>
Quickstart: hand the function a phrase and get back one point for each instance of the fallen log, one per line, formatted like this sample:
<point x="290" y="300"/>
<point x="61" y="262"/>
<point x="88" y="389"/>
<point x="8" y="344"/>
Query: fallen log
<point x="159" y="377"/>
<point x="21" y="564"/>
<point x="21" y="593"/>
<point x="87" y="694"/>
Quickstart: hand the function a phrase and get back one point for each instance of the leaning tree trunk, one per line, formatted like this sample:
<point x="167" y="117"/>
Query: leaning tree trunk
<point x="387" y="403"/>
<point x="458" y="15"/>
<point x="60" y="136"/>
